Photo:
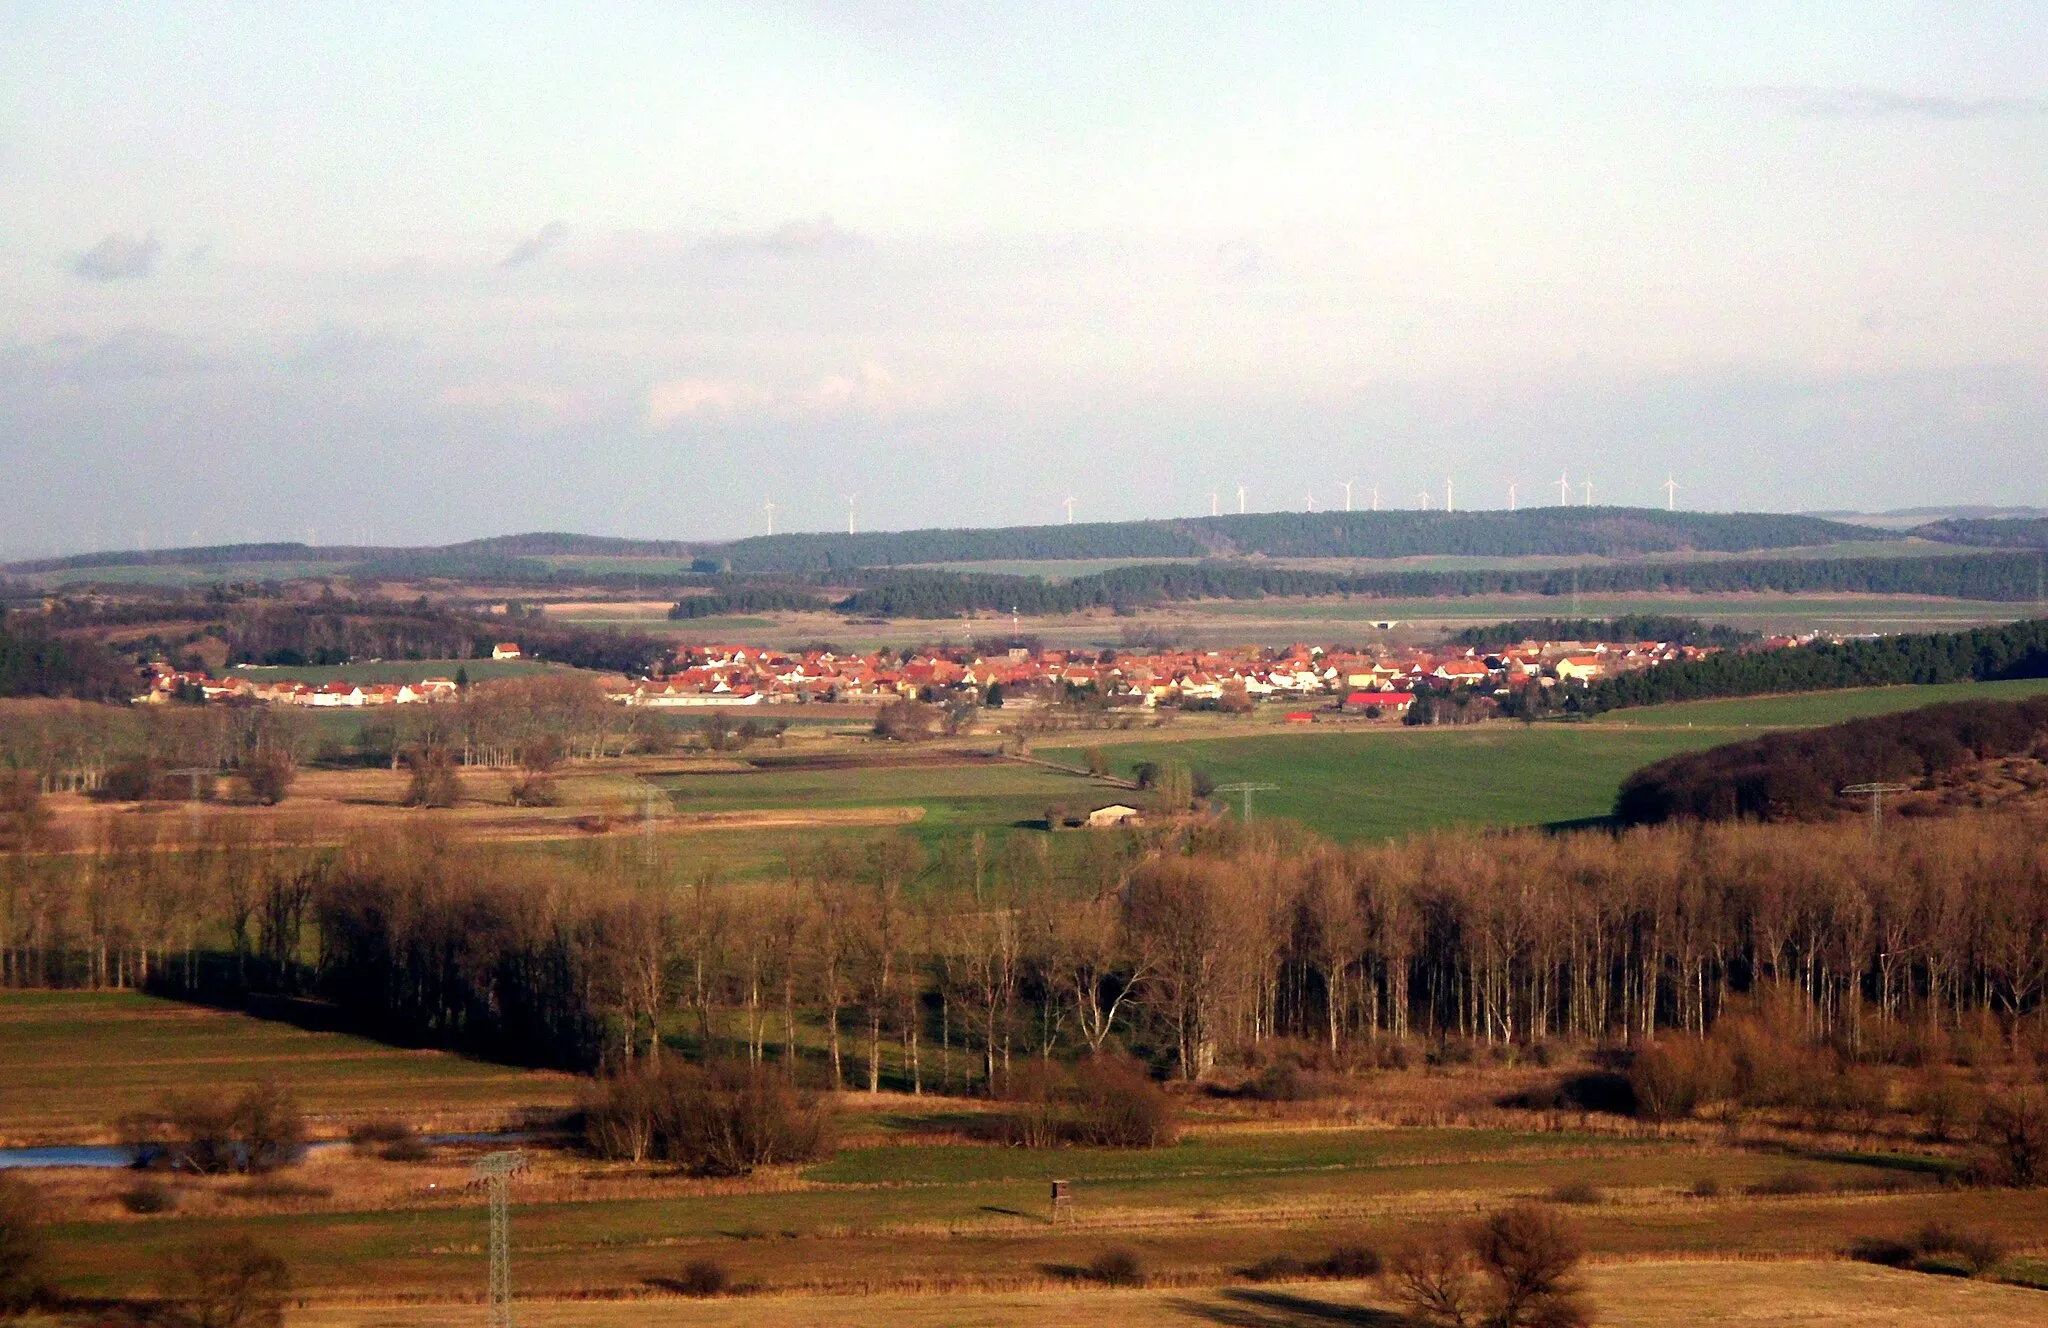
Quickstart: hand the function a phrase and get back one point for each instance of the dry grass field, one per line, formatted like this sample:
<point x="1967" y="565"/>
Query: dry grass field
<point x="1634" y="1294"/>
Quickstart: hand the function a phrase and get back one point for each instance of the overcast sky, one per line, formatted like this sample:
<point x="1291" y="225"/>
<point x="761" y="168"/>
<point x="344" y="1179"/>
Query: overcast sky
<point x="418" y="272"/>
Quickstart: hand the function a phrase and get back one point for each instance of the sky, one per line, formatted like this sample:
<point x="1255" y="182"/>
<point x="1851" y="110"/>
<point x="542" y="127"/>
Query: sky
<point x="420" y="272"/>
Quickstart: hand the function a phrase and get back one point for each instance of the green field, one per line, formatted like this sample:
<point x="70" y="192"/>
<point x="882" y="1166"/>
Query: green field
<point x="1391" y="781"/>
<point x="954" y="796"/>
<point x="73" y="1063"/>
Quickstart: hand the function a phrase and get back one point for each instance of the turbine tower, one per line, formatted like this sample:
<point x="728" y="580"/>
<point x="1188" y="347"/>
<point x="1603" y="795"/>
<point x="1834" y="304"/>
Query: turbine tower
<point x="1069" y="505"/>
<point x="1589" y="493"/>
<point x="1449" y="506"/>
<point x="769" y="508"/>
<point x="1311" y="500"/>
<point x="1346" y="485"/>
<point x="1240" y="500"/>
<point x="1215" y="503"/>
<point x="849" y="511"/>
<point x="1564" y="489"/>
<point x="1375" y="497"/>
<point x="1422" y="497"/>
<point x="1670" y="493"/>
<point x="1512" y="481"/>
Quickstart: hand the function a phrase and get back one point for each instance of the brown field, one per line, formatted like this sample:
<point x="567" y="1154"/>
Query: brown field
<point x="1627" y="1295"/>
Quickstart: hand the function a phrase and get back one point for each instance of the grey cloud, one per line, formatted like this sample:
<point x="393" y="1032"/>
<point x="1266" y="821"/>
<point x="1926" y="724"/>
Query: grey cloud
<point x="1886" y="104"/>
<point x="801" y="236"/>
<point x="119" y="257"/>
<point x="533" y="246"/>
<point x="340" y="348"/>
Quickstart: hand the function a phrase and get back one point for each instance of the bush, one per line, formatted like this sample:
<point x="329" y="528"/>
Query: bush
<point x="723" y="1119"/>
<point x="704" y="1277"/>
<point x="227" y="1284"/>
<point x="259" y="1131"/>
<point x="434" y="781"/>
<point x="1787" y="1183"/>
<point x="268" y="774"/>
<point x="1676" y="1077"/>
<point x="1706" y="1187"/>
<point x="2012" y="1136"/>
<point x="149" y="1197"/>
<point x="1934" y="1248"/>
<point x="1514" y="1269"/>
<point x="21" y="1245"/>
<point x="1118" y="1105"/>
<point x="1342" y="1263"/>
<point x="392" y="1139"/>
<point x="1117" y="1266"/>
<point x="1577" y="1192"/>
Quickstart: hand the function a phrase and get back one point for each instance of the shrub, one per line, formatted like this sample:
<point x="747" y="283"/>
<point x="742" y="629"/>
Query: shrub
<point x="1342" y="1263"/>
<point x="1577" y="1192"/>
<point x="268" y="774"/>
<point x="1275" y="1268"/>
<point x="1944" y="1101"/>
<point x="1118" y="1105"/>
<point x="1936" y="1247"/>
<point x="434" y="781"/>
<point x="21" y="1245"/>
<point x="1117" y="1266"/>
<point x="723" y="1119"/>
<point x="704" y="1277"/>
<point x="1792" y="1181"/>
<point x="149" y="1197"/>
<point x="1676" y="1077"/>
<point x="2012" y="1136"/>
<point x="259" y="1131"/>
<point x="1885" y="1250"/>
<point x="392" y="1139"/>
<point x="1706" y="1187"/>
<point x="1513" y="1270"/>
<point x="233" y="1283"/>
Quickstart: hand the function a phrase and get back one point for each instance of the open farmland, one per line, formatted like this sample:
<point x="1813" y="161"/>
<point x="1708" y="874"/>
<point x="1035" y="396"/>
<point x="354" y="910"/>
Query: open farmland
<point x="73" y="1063"/>
<point x="1392" y="780"/>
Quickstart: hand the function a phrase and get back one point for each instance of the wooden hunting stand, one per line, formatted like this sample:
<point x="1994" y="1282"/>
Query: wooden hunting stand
<point x="1062" y="1201"/>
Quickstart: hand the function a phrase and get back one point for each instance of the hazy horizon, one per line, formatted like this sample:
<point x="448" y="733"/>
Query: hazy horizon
<point x="414" y="275"/>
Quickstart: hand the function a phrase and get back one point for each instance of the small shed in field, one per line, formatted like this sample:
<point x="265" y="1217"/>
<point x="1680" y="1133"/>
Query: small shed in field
<point x="1114" y="814"/>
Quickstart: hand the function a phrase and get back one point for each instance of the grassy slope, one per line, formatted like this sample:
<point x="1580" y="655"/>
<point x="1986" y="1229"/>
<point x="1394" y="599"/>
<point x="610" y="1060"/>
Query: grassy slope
<point x="72" y="1063"/>
<point x="1395" y="781"/>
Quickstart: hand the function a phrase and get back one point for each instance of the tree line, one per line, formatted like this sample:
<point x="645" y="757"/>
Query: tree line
<point x="886" y="962"/>
<point x="35" y="661"/>
<point x="2015" y="650"/>
<point x="1625" y="627"/>
<point x="1790" y="776"/>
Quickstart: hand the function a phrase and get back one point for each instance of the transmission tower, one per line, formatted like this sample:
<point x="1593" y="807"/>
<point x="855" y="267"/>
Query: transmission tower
<point x="1247" y="790"/>
<point x="1876" y="793"/>
<point x="494" y="1171"/>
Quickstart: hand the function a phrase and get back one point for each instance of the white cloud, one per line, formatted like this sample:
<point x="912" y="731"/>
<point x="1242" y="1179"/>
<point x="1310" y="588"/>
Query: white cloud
<point x="680" y="399"/>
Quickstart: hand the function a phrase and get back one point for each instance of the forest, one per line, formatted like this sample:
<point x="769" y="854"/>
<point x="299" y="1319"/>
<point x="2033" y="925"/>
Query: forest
<point x="35" y="661"/>
<point x="1989" y="532"/>
<point x="868" y="956"/>
<point x="1799" y="776"/>
<point x="1985" y="654"/>
<point x="1626" y="627"/>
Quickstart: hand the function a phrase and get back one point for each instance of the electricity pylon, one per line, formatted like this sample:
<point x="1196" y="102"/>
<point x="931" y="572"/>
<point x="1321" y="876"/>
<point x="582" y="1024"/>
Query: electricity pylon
<point x="1876" y="794"/>
<point x="495" y="1171"/>
<point x="1247" y="790"/>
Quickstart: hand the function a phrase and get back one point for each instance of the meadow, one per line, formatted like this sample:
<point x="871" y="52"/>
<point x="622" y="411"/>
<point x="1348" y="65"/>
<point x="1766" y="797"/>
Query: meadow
<point x="1391" y="780"/>
<point x="73" y="1063"/>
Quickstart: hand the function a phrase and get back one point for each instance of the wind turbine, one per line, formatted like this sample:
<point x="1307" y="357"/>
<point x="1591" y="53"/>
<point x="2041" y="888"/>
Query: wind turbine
<point x="1512" y="481"/>
<point x="1346" y="486"/>
<point x="1215" y="503"/>
<point x="1564" y="489"/>
<point x="1069" y="505"/>
<point x="769" y="508"/>
<point x="1670" y="493"/>
<point x="1422" y="496"/>
<point x="1375" y="497"/>
<point x="849" y="511"/>
<point x="1589" y="493"/>
<point x="1448" y="505"/>
<point x="1311" y="500"/>
<point x="1240" y="500"/>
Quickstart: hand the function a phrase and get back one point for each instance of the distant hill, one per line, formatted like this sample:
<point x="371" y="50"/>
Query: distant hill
<point x="1989" y="533"/>
<point x="1557" y="531"/>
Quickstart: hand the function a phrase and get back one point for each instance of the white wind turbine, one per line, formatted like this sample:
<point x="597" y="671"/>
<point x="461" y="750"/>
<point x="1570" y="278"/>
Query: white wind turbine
<point x="1069" y="505"/>
<point x="769" y="508"/>
<point x="1512" y="482"/>
<point x="1422" y="499"/>
<point x="1346" y="486"/>
<point x="1564" y="489"/>
<point x="849" y="511"/>
<point x="1589" y="493"/>
<point x="1375" y="497"/>
<point x="1240" y="500"/>
<point x="1215" y="503"/>
<point x="1449" y="506"/>
<point x="1670" y="493"/>
<point x="1311" y="500"/>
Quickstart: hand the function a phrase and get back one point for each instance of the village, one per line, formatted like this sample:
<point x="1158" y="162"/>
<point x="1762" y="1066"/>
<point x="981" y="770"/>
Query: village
<point x="1382" y="681"/>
